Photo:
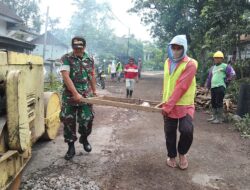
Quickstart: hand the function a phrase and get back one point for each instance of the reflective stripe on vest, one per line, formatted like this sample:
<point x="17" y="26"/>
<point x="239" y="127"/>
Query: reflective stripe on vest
<point x="130" y="70"/>
<point x="170" y="81"/>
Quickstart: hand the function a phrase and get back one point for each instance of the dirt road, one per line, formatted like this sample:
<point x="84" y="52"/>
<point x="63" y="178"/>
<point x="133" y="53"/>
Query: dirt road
<point x="129" y="153"/>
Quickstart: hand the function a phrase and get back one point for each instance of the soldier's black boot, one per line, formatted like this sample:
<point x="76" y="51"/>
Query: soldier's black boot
<point x="71" y="151"/>
<point x="87" y="147"/>
<point x="85" y="132"/>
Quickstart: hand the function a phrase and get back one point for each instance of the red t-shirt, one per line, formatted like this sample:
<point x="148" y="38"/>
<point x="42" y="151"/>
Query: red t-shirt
<point x="131" y="71"/>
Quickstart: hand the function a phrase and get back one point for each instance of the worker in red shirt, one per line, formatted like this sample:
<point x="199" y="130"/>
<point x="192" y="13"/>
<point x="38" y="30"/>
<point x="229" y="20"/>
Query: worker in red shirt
<point x="131" y="75"/>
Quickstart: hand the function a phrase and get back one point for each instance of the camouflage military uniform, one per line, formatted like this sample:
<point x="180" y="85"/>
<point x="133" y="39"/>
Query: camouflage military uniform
<point x="81" y="72"/>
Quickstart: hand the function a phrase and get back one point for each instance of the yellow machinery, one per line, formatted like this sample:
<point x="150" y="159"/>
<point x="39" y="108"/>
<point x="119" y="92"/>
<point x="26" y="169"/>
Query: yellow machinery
<point x="26" y="113"/>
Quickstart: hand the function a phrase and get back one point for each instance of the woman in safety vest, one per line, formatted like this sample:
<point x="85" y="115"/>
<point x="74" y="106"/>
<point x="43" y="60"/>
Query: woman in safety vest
<point x="179" y="88"/>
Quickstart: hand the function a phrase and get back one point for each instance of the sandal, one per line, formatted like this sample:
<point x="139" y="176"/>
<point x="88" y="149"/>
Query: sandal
<point x="171" y="163"/>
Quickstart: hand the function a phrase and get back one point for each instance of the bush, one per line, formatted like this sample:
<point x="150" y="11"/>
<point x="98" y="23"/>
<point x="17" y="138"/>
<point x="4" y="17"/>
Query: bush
<point x="243" y="126"/>
<point x="234" y="88"/>
<point x="53" y="85"/>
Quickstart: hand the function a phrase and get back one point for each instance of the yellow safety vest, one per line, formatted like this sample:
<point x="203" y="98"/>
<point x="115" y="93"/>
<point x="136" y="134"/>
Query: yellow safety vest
<point x="170" y="83"/>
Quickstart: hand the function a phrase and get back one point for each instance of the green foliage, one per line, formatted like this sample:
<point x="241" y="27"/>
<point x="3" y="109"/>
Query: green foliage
<point x="53" y="85"/>
<point x="155" y="57"/>
<point x="225" y="23"/>
<point x="243" y="126"/>
<point x="28" y="10"/>
<point x="242" y="68"/>
<point x="234" y="88"/>
<point x="209" y="25"/>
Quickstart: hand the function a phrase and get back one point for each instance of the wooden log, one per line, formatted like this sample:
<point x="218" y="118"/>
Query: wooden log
<point x="130" y="100"/>
<point x="117" y="102"/>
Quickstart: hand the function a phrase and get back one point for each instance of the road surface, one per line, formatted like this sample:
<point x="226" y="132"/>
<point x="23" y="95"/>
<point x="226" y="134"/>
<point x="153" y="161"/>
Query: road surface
<point x="129" y="152"/>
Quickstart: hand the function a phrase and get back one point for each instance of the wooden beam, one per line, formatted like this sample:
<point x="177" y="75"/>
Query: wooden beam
<point x="123" y="103"/>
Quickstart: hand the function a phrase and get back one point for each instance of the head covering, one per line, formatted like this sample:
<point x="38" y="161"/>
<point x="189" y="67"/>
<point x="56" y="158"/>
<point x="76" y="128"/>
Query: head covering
<point x="78" y="42"/>
<point x="180" y="40"/>
<point x="218" y="54"/>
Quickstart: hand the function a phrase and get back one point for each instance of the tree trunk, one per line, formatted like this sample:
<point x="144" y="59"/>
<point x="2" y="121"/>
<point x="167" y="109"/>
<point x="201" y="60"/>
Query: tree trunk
<point x="240" y="61"/>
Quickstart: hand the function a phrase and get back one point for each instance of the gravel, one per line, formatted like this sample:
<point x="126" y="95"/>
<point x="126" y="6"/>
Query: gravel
<point x="62" y="182"/>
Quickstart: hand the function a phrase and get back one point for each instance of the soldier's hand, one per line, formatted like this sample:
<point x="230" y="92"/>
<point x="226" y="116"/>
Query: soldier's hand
<point x="77" y="97"/>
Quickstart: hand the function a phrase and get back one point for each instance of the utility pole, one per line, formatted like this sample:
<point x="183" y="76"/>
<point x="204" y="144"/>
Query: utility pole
<point x="45" y="34"/>
<point x="123" y="25"/>
<point x="128" y="42"/>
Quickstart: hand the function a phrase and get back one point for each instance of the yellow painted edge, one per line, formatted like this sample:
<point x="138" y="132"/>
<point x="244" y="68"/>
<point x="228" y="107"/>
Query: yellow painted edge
<point x="8" y="154"/>
<point x="19" y="170"/>
<point x="3" y="58"/>
<point x="15" y="58"/>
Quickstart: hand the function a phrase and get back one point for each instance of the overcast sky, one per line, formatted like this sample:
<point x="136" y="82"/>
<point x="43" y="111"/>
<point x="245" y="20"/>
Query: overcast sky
<point x="64" y="9"/>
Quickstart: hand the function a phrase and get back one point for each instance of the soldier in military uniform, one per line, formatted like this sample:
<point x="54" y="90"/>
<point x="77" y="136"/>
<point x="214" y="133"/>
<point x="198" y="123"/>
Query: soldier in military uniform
<point x="79" y="82"/>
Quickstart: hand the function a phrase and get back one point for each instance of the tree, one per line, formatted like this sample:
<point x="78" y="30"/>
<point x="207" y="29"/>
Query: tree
<point x="154" y="56"/>
<point x="227" y="22"/>
<point x="208" y="24"/>
<point x="28" y="10"/>
<point x="169" y="18"/>
<point x="91" y="20"/>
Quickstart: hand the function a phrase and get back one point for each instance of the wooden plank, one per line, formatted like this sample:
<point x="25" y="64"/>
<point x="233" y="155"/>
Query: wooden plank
<point x="104" y="102"/>
<point x="159" y="105"/>
<point x="129" y="100"/>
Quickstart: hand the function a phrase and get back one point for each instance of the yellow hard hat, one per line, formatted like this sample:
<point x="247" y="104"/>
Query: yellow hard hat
<point x="218" y="54"/>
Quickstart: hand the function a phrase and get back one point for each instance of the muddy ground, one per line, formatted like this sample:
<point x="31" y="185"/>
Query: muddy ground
<point x="129" y="153"/>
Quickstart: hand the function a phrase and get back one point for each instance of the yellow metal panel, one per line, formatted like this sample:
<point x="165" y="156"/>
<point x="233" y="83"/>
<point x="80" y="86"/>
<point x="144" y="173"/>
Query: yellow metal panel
<point x="23" y="76"/>
<point x="18" y="125"/>
<point x="32" y="85"/>
<point x="7" y="163"/>
<point x="11" y="164"/>
<point x="3" y="58"/>
<point x="22" y="59"/>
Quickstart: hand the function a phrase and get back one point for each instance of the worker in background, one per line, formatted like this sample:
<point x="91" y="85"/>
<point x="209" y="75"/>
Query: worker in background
<point x="179" y="87"/>
<point x="131" y="75"/>
<point x="79" y="82"/>
<point x="218" y="79"/>
<point x="109" y="69"/>
<point x="113" y="70"/>
<point x="119" y="69"/>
